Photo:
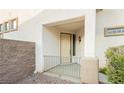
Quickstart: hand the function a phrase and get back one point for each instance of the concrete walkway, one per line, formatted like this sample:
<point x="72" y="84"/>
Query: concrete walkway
<point x="103" y="79"/>
<point x="72" y="70"/>
<point x="43" y="79"/>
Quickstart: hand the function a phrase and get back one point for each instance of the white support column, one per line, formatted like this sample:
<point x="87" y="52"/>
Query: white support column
<point x="89" y="35"/>
<point x="39" y="52"/>
<point x="89" y="64"/>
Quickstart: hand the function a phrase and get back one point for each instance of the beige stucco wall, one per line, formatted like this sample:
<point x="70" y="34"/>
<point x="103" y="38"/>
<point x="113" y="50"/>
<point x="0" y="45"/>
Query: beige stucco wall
<point x="107" y="18"/>
<point x="80" y="45"/>
<point x="51" y="39"/>
<point x="31" y="27"/>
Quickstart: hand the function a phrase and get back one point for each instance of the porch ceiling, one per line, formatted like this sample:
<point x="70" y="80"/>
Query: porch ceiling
<point x="71" y="26"/>
<point x="68" y="25"/>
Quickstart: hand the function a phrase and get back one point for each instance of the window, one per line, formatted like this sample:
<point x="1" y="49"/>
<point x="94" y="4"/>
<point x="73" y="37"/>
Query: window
<point x="74" y="44"/>
<point x="1" y="28"/>
<point x="13" y="24"/>
<point x="9" y="26"/>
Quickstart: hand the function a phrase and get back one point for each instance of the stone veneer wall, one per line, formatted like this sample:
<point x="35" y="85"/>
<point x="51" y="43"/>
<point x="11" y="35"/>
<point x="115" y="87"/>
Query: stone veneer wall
<point x="17" y="60"/>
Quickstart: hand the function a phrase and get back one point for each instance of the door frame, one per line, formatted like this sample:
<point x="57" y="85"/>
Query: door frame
<point x="70" y="46"/>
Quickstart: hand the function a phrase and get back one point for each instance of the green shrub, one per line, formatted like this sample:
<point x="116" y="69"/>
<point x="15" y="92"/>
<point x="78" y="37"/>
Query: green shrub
<point x="103" y="70"/>
<point x="115" y="67"/>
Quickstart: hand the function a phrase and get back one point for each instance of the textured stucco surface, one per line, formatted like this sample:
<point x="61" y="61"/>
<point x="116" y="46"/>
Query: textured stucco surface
<point x="17" y="60"/>
<point x="89" y="70"/>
